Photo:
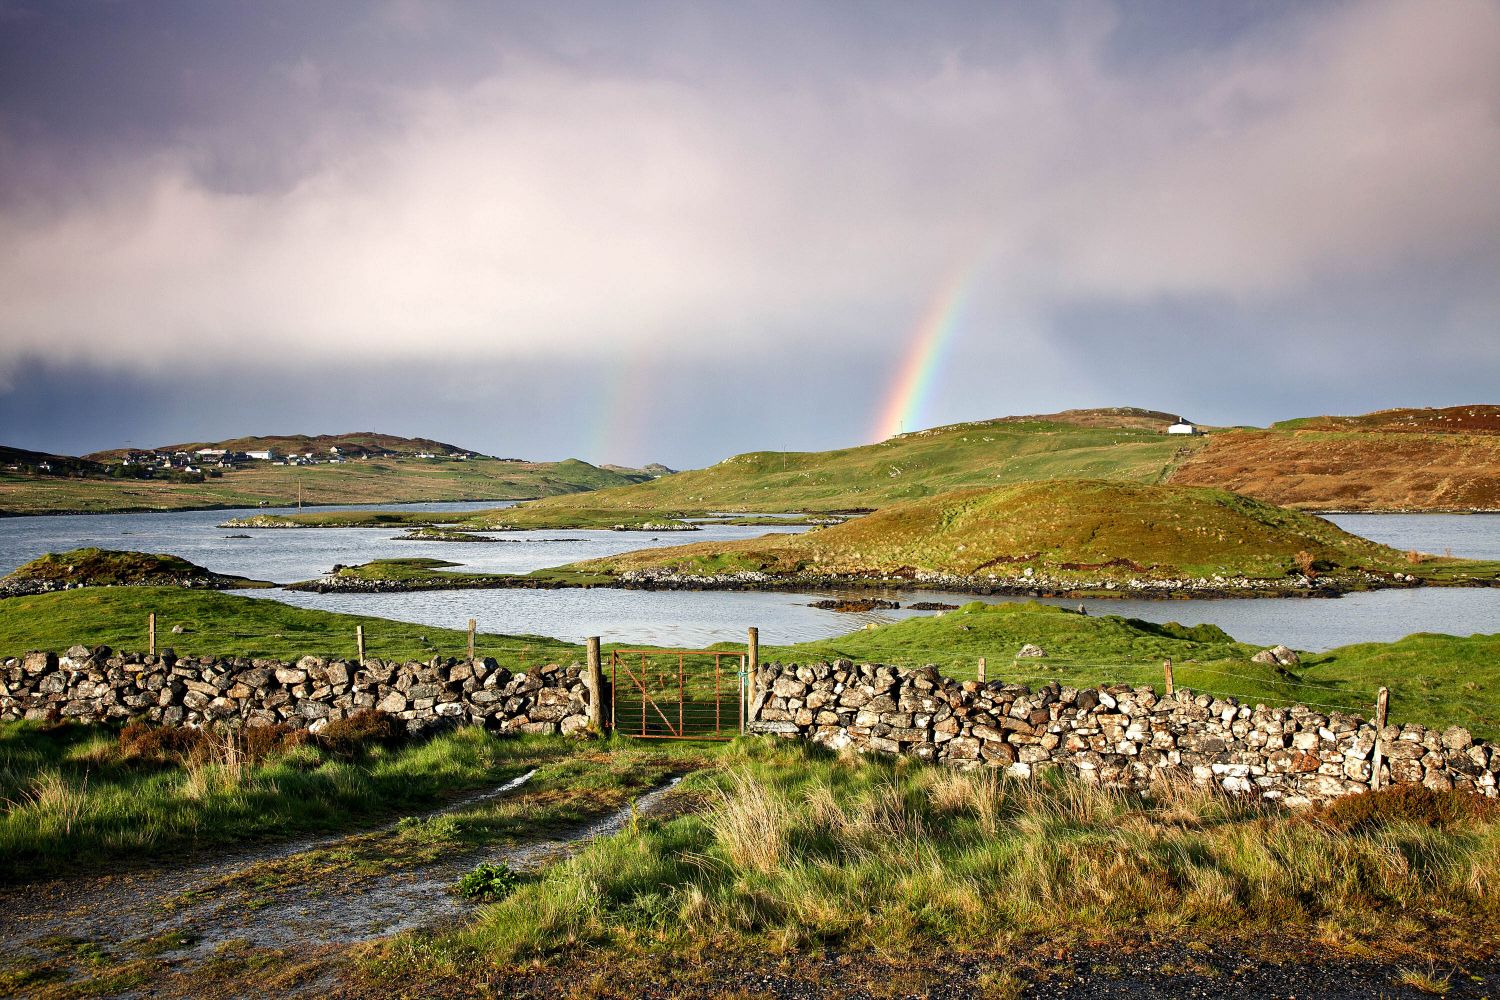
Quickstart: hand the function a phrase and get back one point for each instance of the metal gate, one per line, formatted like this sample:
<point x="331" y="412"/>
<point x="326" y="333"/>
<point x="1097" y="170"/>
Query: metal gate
<point x="676" y="694"/>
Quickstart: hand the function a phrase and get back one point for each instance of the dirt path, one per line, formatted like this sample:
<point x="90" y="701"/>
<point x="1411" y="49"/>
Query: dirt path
<point x="290" y="895"/>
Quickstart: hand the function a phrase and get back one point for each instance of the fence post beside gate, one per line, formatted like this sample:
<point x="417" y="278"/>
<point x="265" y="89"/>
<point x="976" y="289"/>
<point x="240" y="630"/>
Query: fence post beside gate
<point x="596" y="685"/>
<point x="753" y="649"/>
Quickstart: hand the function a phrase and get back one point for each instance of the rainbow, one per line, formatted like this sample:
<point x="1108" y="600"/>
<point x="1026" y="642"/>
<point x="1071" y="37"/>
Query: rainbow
<point x="924" y="360"/>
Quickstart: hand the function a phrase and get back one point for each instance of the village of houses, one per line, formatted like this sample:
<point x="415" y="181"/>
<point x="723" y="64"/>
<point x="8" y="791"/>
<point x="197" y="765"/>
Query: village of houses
<point x="205" y="459"/>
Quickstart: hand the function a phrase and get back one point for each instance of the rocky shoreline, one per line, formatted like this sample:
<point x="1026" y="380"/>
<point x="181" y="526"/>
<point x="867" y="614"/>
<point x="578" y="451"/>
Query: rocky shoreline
<point x="28" y="588"/>
<point x="357" y="585"/>
<point x="1034" y="585"/>
<point x="1021" y="586"/>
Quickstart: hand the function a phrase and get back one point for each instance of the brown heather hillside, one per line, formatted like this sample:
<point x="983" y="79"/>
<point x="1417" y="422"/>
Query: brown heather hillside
<point x="1433" y="460"/>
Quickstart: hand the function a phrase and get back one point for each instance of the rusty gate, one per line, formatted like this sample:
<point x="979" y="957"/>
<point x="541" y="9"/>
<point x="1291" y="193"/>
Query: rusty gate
<point x="676" y="694"/>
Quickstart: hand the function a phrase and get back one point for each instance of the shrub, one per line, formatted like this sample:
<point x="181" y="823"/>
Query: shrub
<point x="368" y="726"/>
<point x="489" y="882"/>
<point x="1405" y="803"/>
<point x="190" y="746"/>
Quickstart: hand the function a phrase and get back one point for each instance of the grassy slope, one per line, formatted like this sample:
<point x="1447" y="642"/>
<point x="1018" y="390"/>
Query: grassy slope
<point x="1446" y="459"/>
<point x="1053" y="528"/>
<point x="1437" y="680"/>
<point x="229" y="624"/>
<point x="376" y="481"/>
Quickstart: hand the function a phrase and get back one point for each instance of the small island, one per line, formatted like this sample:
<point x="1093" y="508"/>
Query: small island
<point x="95" y="567"/>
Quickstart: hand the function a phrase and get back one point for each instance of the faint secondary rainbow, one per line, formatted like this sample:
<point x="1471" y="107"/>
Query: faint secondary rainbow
<point x="924" y="359"/>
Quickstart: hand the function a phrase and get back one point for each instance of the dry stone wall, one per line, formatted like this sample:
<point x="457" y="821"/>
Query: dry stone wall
<point x="96" y="684"/>
<point x="1115" y="736"/>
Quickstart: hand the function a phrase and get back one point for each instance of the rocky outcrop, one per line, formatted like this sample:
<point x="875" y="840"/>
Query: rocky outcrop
<point x="97" y="684"/>
<point x="1116" y="736"/>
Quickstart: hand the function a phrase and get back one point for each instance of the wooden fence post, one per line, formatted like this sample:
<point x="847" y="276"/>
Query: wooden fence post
<point x="596" y="684"/>
<point x="359" y="641"/>
<point x="753" y="649"/>
<point x="472" y="624"/>
<point x="1166" y="667"/>
<point x="1382" y="704"/>
<point x="151" y="633"/>
<point x="981" y="670"/>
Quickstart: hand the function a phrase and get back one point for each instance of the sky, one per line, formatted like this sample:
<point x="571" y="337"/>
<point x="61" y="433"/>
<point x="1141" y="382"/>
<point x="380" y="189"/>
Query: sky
<point x="631" y="231"/>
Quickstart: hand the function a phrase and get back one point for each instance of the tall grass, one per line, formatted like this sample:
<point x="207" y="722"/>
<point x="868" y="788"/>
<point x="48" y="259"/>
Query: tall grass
<point x="72" y="796"/>
<point x="799" y="848"/>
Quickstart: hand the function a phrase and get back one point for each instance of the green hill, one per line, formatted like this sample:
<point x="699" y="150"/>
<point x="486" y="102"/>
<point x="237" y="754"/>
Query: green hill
<point x="1124" y="444"/>
<point x="1057" y="534"/>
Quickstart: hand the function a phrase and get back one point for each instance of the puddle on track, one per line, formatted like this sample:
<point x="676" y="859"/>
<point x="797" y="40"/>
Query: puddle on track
<point x="113" y="910"/>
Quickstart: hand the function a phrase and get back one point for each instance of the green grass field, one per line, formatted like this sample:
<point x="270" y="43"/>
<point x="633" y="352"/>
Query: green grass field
<point x="216" y="623"/>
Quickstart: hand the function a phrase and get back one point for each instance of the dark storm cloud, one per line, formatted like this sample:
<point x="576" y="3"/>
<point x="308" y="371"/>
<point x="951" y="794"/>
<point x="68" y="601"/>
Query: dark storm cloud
<point x="1250" y="211"/>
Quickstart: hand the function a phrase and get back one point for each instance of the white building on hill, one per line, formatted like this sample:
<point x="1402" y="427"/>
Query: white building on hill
<point x="1182" y="427"/>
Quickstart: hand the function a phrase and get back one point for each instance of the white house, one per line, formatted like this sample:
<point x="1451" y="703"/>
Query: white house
<point x="211" y="452"/>
<point x="264" y="455"/>
<point x="1182" y="427"/>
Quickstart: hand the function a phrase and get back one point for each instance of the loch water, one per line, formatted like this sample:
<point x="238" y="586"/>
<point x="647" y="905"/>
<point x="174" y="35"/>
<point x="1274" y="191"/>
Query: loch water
<point x="696" y="618"/>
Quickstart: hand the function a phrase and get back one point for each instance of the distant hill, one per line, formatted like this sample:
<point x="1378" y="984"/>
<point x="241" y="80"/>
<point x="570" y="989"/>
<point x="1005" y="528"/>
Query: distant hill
<point x="1406" y="459"/>
<point x="357" y="444"/>
<point x="1435" y="459"/>
<point x="1124" y="443"/>
<point x="43" y="463"/>
<point x="384" y="469"/>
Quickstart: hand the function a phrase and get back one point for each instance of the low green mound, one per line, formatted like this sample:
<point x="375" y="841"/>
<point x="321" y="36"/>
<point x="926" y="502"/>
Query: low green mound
<point x="434" y="534"/>
<point x="1078" y="531"/>
<point x="95" y="567"/>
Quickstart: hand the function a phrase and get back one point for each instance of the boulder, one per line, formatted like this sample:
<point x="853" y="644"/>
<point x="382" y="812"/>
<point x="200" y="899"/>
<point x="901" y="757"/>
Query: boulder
<point x="1277" y="656"/>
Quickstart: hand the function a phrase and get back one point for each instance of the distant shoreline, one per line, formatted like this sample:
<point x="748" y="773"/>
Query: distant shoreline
<point x="65" y="512"/>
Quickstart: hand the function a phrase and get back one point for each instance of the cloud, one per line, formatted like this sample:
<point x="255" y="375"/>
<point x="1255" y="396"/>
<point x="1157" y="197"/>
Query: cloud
<point x="575" y="204"/>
